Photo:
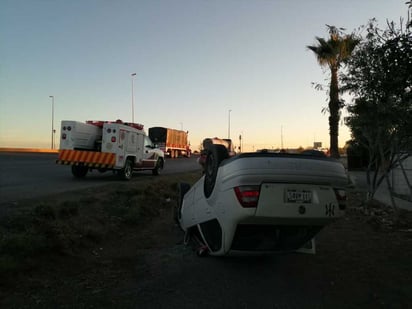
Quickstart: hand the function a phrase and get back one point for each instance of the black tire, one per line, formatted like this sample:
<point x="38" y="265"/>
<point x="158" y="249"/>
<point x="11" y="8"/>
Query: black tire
<point x="79" y="171"/>
<point x="182" y="189"/>
<point x="159" y="166"/>
<point x="127" y="172"/>
<point x="215" y="155"/>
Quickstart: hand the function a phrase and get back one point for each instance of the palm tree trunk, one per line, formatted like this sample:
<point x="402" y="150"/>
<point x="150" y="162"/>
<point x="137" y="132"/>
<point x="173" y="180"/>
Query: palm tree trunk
<point x="334" y="106"/>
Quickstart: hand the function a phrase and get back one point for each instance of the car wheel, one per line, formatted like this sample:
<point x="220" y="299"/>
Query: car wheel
<point x="79" y="171"/>
<point x="127" y="172"/>
<point x="158" y="167"/>
<point x="183" y="188"/>
<point x="215" y="155"/>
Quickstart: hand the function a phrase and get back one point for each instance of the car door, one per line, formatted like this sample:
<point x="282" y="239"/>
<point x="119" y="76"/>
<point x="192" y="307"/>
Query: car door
<point x="149" y="154"/>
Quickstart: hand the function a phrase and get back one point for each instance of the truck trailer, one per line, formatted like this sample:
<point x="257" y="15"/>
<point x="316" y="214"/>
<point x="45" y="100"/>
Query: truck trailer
<point x="174" y="143"/>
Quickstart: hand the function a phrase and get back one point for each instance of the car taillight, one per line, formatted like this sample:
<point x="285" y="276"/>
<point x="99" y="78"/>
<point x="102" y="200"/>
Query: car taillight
<point x="113" y="139"/>
<point x="248" y="196"/>
<point x="341" y="197"/>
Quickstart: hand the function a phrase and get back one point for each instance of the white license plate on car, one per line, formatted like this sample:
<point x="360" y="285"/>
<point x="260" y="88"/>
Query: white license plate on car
<point x="298" y="196"/>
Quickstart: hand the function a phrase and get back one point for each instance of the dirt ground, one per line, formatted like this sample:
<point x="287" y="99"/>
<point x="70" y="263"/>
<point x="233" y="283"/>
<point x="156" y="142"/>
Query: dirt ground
<point x="362" y="261"/>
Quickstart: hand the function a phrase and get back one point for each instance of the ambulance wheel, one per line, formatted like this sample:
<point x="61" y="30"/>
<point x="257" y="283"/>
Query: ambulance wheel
<point x="159" y="167"/>
<point x="79" y="171"/>
<point x="215" y="155"/>
<point x="127" y="172"/>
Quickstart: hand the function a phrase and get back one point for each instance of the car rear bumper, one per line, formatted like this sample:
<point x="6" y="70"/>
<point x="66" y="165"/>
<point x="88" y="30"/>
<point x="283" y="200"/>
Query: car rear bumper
<point x="272" y="238"/>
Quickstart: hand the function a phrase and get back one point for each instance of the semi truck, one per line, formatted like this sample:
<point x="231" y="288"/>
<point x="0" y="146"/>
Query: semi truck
<point x="107" y="145"/>
<point x="174" y="143"/>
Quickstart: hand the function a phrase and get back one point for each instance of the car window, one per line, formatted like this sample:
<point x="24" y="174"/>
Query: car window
<point x="147" y="142"/>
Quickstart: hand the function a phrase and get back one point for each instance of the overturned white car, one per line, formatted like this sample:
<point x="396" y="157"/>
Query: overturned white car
<point x="261" y="202"/>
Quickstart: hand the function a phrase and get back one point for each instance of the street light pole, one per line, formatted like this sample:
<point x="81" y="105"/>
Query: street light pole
<point x="228" y="129"/>
<point x="281" y="136"/>
<point x="52" y="122"/>
<point x="133" y="74"/>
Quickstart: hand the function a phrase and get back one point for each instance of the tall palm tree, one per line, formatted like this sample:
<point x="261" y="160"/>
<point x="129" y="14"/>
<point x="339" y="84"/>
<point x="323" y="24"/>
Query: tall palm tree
<point x="332" y="53"/>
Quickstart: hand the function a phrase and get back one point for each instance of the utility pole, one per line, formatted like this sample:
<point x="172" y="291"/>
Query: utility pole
<point x="228" y="130"/>
<point x="52" y="123"/>
<point x="133" y="75"/>
<point x="281" y="137"/>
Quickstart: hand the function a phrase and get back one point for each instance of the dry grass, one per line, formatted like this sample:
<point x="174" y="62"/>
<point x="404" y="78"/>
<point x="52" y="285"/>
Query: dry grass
<point x="91" y="248"/>
<point x="71" y="223"/>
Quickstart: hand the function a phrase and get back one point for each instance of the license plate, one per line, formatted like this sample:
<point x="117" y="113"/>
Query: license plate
<point x="298" y="196"/>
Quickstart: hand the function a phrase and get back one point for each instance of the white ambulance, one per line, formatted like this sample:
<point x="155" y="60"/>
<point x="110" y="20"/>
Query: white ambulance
<point x="108" y="145"/>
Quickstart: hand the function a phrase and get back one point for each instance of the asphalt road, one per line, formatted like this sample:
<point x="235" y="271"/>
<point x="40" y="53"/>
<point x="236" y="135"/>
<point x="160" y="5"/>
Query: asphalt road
<point x="32" y="175"/>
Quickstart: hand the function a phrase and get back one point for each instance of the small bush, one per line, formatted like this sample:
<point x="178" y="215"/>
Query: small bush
<point x="132" y="192"/>
<point x="16" y="223"/>
<point x="88" y="200"/>
<point x="23" y="244"/>
<point x="45" y="212"/>
<point x="69" y="209"/>
<point x="93" y="233"/>
<point x="151" y="190"/>
<point x="8" y="265"/>
<point x="116" y="210"/>
<point x="133" y="217"/>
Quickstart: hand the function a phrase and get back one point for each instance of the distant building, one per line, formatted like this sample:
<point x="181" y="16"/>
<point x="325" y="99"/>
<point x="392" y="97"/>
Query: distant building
<point x="317" y="145"/>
